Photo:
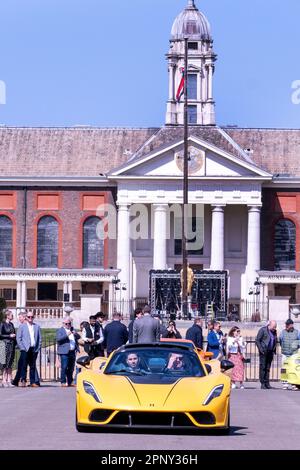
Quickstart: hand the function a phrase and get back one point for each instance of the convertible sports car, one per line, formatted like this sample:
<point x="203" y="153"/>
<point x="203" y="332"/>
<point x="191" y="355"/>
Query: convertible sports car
<point x="290" y="371"/>
<point x="156" y="385"/>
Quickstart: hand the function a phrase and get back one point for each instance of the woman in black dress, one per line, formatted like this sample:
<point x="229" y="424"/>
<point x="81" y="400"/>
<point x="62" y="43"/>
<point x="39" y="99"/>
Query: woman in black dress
<point x="8" y="336"/>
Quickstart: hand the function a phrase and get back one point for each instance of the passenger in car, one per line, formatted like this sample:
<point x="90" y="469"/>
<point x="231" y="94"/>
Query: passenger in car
<point x="176" y="362"/>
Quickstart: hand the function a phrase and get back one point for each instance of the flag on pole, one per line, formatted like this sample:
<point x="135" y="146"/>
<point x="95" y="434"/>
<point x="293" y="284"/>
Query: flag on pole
<point x="180" y="90"/>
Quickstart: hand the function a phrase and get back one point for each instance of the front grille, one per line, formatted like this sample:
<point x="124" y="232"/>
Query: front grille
<point x="124" y="418"/>
<point x="100" y="415"/>
<point x="203" y="417"/>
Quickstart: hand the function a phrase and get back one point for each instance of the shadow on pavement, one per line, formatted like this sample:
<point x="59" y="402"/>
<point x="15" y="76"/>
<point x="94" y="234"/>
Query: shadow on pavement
<point x="234" y="431"/>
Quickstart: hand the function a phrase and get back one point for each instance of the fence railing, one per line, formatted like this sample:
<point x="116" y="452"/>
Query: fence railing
<point x="246" y="311"/>
<point x="254" y="311"/>
<point x="49" y="369"/>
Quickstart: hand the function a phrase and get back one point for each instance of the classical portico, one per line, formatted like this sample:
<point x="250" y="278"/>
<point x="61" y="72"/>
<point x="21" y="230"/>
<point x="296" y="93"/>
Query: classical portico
<point x="226" y="187"/>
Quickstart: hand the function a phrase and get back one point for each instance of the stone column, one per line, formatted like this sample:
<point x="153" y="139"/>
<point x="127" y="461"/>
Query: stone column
<point x="171" y="81"/>
<point x="65" y="288"/>
<point x="70" y="290"/>
<point x="204" y="84"/>
<point x="19" y="295"/>
<point x="217" y="238"/>
<point x="123" y="254"/>
<point x="23" y="294"/>
<point x="210" y="83"/>
<point x="111" y="299"/>
<point x="253" y="244"/>
<point x="160" y="236"/>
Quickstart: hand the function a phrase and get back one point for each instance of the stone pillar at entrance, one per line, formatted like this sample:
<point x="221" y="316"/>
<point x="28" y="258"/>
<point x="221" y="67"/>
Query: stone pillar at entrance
<point x="23" y="294"/>
<point x="253" y="245"/>
<point x="19" y="295"/>
<point x="217" y="238"/>
<point x="67" y="289"/>
<point x="123" y="255"/>
<point x="160" y="236"/>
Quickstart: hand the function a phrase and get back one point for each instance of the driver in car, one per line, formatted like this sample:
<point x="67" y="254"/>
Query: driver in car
<point x="132" y="362"/>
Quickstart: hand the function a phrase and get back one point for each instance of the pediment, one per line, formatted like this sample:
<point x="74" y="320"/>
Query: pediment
<point x="206" y="160"/>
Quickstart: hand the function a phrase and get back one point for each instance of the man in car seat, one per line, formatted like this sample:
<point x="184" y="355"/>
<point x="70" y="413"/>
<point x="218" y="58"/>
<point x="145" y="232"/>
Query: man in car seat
<point x="176" y="362"/>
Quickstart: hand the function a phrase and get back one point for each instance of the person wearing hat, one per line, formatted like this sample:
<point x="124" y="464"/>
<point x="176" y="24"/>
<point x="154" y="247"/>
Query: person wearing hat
<point x="289" y="342"/>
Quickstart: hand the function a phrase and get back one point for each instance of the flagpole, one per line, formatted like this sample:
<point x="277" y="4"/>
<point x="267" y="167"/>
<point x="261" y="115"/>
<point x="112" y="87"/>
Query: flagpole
<point x="184" y="298"/>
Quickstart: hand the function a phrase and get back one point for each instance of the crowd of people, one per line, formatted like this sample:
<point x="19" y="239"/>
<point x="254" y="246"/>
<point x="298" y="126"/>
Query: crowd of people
<point x="98" y="337"/>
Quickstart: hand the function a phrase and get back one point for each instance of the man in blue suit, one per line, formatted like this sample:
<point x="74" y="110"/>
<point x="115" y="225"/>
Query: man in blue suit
<point x="67" y="346"/>
<point x="29" y="340"/>
<point x="115" y="334"/>
<point x="195" y="333"/>
<point x="216" y="341"/>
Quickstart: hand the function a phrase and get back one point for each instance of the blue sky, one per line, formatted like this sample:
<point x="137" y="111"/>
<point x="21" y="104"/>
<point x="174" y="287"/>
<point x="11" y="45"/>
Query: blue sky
<point x="102" y="62"/>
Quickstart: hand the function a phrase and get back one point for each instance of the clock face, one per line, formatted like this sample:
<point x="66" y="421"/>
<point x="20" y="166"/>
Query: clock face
<point x="195" y="159"/>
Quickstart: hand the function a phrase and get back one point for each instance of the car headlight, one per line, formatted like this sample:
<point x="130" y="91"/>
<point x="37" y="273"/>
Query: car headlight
<point x="89" y="389"/>
<point x="215" y="393"/>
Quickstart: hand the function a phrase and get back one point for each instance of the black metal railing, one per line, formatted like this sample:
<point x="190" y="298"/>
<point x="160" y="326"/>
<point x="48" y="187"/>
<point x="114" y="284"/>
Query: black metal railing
<point x="244" y="311"/>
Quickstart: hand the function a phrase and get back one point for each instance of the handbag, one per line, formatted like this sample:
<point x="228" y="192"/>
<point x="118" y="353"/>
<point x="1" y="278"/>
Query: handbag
<point x="246" y="360"/>
<point x="2" y="353"/>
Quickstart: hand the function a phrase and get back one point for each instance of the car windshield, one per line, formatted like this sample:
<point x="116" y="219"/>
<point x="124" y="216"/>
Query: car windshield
<point x="173" y="362"/>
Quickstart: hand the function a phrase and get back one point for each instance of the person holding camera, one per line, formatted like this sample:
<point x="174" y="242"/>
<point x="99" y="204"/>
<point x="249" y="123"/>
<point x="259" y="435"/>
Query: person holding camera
<point x="172" y="331"/>
<point x="235" y="348"/>
<point x="67" y="347"/>
<point x="216" y="341"/>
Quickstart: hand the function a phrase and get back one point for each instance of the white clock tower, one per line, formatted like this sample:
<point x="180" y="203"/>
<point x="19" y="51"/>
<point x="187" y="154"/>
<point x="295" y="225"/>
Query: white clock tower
<point x="191" y="23"/>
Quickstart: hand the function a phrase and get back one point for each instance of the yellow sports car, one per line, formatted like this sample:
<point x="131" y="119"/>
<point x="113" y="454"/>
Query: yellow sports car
<point x="290" y="371"/>
<point x="152" y="386"/>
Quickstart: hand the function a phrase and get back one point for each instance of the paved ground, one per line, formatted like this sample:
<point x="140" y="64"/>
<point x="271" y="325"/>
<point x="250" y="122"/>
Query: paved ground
<point x="44" y="419"/>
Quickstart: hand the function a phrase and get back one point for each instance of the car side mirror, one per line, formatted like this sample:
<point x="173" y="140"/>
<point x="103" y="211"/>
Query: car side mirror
<point x="226" y="365"/>
<point x="84" y="361"/>
<point x="208" y="368"/>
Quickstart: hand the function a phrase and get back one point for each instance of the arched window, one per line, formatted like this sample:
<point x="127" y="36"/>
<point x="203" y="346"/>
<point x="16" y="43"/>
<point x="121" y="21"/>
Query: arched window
<point x="5" y="242"/>
<point x="93" y="246"/>
<point x="47" y="242"/>
<point x="285" y="245"/>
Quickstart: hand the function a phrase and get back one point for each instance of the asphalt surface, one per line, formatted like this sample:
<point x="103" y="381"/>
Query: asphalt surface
<point x="44" y="418"/>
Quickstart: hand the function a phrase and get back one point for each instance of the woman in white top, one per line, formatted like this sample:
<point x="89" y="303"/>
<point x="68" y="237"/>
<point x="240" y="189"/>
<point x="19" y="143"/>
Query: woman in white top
<point x="235" y="353"/>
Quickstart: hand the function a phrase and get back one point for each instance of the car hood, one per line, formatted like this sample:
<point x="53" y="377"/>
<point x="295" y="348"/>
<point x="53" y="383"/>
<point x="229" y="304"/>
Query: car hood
<point x="119" y="392"/>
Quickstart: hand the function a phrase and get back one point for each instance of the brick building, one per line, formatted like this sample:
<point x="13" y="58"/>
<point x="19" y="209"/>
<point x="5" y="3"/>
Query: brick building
<point x="53" y="181"/>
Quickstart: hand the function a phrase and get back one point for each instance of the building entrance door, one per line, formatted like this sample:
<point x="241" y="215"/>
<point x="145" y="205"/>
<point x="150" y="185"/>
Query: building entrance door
<point x="47" y="291"/>
<point x="91" y="288"/>
<point x="286" y="290"/>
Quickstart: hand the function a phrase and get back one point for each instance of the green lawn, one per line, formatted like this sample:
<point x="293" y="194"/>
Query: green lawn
<point x="48" y="336"/>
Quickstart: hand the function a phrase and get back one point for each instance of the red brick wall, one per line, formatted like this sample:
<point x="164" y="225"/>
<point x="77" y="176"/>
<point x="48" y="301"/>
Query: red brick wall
<point x="70" y="215"/>
<point x="278" y="205"/>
